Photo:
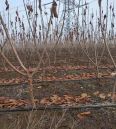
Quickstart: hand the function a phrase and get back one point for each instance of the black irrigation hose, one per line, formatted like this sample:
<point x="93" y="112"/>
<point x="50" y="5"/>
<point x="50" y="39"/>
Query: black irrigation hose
<point x="54" y="107"/>
<point x="69" y="80"/>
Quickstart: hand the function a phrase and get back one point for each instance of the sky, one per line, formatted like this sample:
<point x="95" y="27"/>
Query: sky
<point x="14" y="4"/>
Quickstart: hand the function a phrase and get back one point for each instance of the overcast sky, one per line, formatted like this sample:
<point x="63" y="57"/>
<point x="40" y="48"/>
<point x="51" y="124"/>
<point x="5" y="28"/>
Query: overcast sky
<point x="14" y="4"/>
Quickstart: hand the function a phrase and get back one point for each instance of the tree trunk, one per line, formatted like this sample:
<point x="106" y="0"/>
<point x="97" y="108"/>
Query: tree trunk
<point x="30" y="80"/>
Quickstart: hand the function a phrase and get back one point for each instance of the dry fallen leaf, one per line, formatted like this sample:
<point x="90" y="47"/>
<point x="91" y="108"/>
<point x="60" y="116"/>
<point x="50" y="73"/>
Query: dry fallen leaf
<point x="96" y="93"/>
<point x="55" y="99"/>
<point x="109" y="94"/>
<point x="45" y="101"/>
<point x="114" y="97"/>
<point x="82" y="115"/>
<point x="69" y="98"/>
<point x="39" y="87"/>
<point x="85" y="113"/>
<point x="113" y="74"/>
<point x="84" y="95"/>
<point x="102" y="96"/>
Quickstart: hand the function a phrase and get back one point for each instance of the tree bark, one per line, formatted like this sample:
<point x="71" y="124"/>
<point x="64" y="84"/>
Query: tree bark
<point x="30" y="81"/>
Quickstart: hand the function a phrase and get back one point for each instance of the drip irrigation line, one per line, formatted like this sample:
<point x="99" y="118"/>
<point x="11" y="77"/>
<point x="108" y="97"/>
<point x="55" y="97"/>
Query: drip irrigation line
<point x="54" y="81"/>
<point x="55" y="107"/>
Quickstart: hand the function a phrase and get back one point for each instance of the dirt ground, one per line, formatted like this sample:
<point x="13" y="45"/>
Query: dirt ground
<point x="100" y="118"/>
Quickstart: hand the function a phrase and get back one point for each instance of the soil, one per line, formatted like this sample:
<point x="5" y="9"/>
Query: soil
<point x="101" y="118"/>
